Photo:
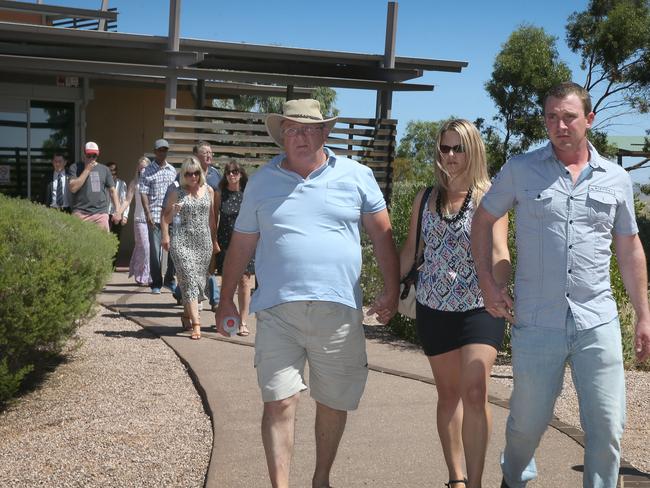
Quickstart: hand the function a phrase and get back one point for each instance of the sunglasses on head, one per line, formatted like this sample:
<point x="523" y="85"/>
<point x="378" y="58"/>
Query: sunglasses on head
<point x="445" y="149"/>
<point x="232" y="171"/>
<point x="193" y="173"/>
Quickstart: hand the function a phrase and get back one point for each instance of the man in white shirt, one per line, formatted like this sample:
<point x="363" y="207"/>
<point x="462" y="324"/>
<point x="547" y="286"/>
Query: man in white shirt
<point x="56" y="192"/>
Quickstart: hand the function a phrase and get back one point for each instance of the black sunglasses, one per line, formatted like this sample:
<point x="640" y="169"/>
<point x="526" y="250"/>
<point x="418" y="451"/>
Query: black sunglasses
<point x="193" y="173"/>
<point x="445" y="149"/>
<point x="232" y="171"/>
<point x="91" y="155"/>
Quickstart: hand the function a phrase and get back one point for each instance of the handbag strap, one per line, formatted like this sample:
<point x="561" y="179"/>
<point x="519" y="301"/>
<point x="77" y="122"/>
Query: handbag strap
<point x="423" y="202"/>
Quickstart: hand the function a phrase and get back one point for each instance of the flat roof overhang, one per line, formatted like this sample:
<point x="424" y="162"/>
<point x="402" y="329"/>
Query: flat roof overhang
<point x="27" y="47"/>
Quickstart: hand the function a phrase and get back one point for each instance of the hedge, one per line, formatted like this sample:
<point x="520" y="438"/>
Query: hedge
<point x="52" y="265"/>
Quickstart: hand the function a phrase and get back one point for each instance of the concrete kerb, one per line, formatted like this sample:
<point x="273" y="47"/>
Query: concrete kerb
<point x="629" y="476"/>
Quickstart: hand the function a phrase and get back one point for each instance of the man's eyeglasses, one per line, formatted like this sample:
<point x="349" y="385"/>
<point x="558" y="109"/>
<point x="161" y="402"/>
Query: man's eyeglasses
<point x="308" y="130"/>
<point x="92" y="156"/>
<point x="193" y="173"/>
<point x="232" y="172"/>
<point x="445" y="149"/>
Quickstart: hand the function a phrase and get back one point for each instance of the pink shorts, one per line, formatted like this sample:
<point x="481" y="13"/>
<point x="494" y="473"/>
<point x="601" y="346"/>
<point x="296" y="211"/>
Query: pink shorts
<point x="99" y="219"/>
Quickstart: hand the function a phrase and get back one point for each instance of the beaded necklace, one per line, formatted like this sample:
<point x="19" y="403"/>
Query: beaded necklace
<point x="461" y="212"/>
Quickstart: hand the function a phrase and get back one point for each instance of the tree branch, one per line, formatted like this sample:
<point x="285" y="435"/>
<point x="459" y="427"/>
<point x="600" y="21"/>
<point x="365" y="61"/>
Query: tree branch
<point x="639" y="165"/>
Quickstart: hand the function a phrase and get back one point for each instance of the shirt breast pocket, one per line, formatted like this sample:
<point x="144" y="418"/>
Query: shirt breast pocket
<point x="539" y="202"/>
<point x="602" y="206"/>
<point x="342" y="194"/>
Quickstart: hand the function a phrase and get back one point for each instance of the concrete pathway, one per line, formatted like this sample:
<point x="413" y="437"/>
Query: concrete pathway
<point x="390" y="441"/>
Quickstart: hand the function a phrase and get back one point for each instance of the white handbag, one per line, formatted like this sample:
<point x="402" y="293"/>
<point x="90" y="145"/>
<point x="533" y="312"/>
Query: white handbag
<point x="406" y="306"/>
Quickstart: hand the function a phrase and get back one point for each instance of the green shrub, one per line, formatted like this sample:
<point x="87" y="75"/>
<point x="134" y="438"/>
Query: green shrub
<point x="53" y="265"/>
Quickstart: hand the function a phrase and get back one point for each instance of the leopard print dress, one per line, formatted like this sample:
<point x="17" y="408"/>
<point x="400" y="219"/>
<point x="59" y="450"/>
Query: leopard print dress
<point x="191" y="244"/>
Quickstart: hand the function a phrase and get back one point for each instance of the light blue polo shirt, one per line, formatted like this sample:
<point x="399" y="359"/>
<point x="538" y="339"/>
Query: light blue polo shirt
<point x="309" y="230"/>
<point x="564" y="235"/>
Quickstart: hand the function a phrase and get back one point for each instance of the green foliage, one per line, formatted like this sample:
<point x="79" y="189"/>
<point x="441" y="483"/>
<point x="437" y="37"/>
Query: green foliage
<point x="268" y="105"/>
<point x="494" y="149"/>
<point x="416" y="151"/>
<point x="53" y="265"/>
<point x="371" y="279"/>
<point x="599" y="141"/>
<point x="612" y="38"/>
<point x="524" y="70"/>
<point x="400" y="213"/>
<point x="401" y="207"/>
<point x="419" y="141"/>
<point x="627" y="319"/>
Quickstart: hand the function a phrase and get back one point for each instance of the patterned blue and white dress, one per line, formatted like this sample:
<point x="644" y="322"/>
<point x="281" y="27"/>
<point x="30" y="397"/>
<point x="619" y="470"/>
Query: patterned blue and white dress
<point x="191" y="244"/>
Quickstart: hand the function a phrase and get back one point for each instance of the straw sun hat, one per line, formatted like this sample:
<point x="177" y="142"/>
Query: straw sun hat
<point x="304" y="111"/>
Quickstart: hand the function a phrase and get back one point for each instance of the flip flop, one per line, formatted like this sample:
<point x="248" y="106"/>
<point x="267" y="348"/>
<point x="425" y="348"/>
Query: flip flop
<point x="243" y="331"/>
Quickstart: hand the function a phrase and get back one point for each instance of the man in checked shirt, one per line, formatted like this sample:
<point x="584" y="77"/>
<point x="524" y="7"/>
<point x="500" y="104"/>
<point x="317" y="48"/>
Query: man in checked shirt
<point x="153" y="186"/>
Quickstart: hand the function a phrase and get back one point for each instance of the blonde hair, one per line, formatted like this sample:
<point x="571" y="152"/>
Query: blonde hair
<point x="137" y="166"/>
<point x="190" y="165"/>
<point x="476" y="171"/>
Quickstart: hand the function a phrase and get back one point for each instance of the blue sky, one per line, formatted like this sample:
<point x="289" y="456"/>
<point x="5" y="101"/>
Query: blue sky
<point x="471" y="31"/>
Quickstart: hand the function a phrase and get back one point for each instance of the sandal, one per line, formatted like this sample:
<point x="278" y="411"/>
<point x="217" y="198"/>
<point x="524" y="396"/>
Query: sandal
<point x="243" y="331"/>
<point x="185" y="322"/>
<point x="455" y="482"/>
<point x="196" y="331"/>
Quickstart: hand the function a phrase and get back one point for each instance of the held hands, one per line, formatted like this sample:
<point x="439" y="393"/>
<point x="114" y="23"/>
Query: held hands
<point x="385" y="305"/>
<point x="225" y="309"/>
<point x="498" y="302"/>
<point x="116" y="218"/>
<point x="165" y="243"/>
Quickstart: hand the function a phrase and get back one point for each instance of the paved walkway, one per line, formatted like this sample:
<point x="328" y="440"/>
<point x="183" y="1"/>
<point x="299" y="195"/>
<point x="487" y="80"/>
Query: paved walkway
<point x="390" y="441"/>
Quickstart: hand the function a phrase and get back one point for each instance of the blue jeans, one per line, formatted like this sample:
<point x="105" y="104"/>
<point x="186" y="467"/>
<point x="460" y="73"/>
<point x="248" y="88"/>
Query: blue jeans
<point x="539" y="356"/>
<point x="155" y="255"/>
<point x="213" y="290"/>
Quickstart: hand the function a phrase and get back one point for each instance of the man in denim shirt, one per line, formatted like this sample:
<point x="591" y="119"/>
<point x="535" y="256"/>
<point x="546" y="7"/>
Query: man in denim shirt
<point x="570" y="204"/>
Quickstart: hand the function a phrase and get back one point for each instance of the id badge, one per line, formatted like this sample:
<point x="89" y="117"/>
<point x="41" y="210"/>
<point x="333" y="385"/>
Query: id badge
<point x="94" y="182"/>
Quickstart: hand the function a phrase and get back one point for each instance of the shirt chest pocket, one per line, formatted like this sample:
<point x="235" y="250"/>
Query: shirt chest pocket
<point x="342" y="194"/>
<point x="539" y="202"/>
<point x="601" y="205"/>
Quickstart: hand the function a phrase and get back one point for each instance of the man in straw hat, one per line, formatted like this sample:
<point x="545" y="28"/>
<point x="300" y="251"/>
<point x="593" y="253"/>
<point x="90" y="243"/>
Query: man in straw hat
<point x="301" y="216"/>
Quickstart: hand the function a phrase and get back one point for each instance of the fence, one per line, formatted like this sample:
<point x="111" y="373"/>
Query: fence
<point x="242" y="136"/>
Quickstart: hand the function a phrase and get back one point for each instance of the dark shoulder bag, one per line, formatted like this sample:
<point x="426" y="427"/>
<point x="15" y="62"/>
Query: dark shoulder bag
<point x="407" y="296"/>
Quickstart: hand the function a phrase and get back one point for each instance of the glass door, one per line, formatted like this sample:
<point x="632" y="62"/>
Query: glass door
<point x="13" y="147"/>
<point x="31" y="132"/>
<point x="51" y="130"/>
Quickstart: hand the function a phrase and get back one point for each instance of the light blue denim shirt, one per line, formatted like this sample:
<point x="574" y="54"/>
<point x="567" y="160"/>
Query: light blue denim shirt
<point x="564" y="235"/>
<point x="309" y="230"/>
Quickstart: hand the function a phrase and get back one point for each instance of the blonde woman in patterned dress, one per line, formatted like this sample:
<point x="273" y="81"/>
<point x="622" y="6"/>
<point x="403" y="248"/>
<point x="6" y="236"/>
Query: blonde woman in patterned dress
<point x="194" y="238"/>
<point x="459" y="337"/>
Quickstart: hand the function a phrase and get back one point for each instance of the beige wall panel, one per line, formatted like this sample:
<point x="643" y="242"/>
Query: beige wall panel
<point x="125" y="121"/>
